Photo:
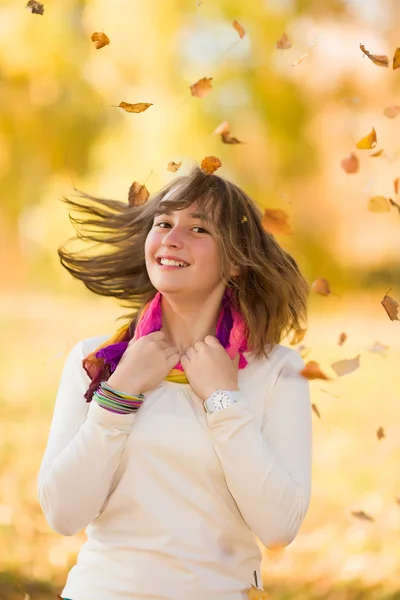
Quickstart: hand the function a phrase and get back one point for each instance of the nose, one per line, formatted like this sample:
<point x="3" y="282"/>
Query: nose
<point x="172" y="239"/>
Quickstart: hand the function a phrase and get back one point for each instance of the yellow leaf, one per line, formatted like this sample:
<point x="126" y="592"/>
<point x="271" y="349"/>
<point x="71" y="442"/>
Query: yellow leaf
<point x="255" y="593"/>
<point x="275" y="220"/>
<point x="173" y="166"/>
<point x="209" y="164"/>
<point x="379" y="204"/>
<point x="134" y="108"/>
<point x="298" y="336"/>
<point x="101" y="39"/>
<point x="381" y="60"/>
<point x="239" y="28"/>
<point x="202" y="87"/>
<point x="377" y="153"/>
<point x="396" y="59"/>
<point x="368" y="142"/>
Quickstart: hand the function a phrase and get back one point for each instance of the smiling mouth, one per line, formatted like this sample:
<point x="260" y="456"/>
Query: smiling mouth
<point x="166" y="262"/>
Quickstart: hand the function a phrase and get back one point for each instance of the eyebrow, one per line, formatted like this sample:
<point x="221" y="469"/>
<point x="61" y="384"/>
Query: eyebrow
<point x="192" y="215"/>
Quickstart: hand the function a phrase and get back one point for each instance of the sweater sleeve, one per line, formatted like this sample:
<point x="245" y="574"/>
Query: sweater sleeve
<point x="268" y="469"/>
<point x="82" y="453"/>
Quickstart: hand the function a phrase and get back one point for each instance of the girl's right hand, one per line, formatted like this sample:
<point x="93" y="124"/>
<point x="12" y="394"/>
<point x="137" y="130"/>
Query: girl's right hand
<point x="144" y="364"/>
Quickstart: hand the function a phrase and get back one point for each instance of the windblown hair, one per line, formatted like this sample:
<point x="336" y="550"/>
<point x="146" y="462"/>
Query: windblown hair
<point x="270" y="291"/>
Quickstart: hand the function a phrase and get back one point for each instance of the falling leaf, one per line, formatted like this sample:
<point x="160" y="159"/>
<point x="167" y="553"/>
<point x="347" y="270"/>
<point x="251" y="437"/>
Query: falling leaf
<point x="393" y="203"/>
<point x="210" y="164"/>
<point x="378" y="59"/>
<point x="350" y="164"/>
<point x="342" y="338"/>
<point x="312" y="370"/>
<point x="101" y="39"/>
<point x="255" y="593"/>
<point x="360" y="514"/>
<point x="298" y="336"/>
<point x="299" y="60"/>
<point x="379" y="204"/>
<point x="368" y="142"/>
<point x="343" y="367"/>
<point x="391" y="307"/>
<point x="377" y="153"/>
<point x="379" y="348"/>
<point x="321" y="286"/>
<point x="396" y="185"/>
<point x="396" y="59"/>
<point x="304" y="351"/>
<point x="224" y="131"/>
<point x="380" y="434"/>
<point x="229" y="139"/>
<point x="202" y="87"/>
<point x="173" y="166"/>
<point x="134" y="108"/>
<point x="36" y="7"/>
<point x="138" y="194"/>
<point x="315" y="409"/>
<point x="284" y="43"/>
<point x="239" y="28"/>
<point x="222" y="128"/>
<point x="275" y="221"/>
<point x="391" y="112"/>
<point x="243" y="219"/>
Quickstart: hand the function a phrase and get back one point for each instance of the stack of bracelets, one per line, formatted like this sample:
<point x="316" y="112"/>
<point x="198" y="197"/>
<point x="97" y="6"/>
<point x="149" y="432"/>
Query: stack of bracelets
<point x="115" y="401"/>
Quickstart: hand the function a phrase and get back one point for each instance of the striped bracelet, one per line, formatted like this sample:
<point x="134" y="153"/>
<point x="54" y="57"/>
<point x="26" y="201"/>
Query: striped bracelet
<point x="116" y="401"/>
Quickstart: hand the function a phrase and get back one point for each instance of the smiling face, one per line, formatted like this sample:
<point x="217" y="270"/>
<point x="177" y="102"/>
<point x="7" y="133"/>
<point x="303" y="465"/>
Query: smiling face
<point x="182" y="255"/>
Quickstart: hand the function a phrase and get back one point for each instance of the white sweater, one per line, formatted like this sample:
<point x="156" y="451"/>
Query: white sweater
<point x="171" y="497"/>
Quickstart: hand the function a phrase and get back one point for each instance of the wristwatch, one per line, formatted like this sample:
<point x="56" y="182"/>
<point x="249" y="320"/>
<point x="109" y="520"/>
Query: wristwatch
<point x="221" y="399"/>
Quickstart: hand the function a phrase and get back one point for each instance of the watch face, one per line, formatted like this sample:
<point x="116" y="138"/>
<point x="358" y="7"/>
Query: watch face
<point x="221" y="400"/>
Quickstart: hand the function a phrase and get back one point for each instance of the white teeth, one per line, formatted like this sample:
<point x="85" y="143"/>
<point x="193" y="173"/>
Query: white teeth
<point x="172" y="263"/>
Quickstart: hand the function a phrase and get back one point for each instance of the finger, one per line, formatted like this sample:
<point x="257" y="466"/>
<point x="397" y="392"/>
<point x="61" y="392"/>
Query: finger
<point x="211" y="340"/>
<point x="198" y="345"/>
<point x="171" y="351"/>
<point x="173" y="360"/>
<point x="190" y="352"/>
<point x="156" y="336"/>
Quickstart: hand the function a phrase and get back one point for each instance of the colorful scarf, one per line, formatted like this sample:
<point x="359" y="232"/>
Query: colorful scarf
<point x="99" y="364"/>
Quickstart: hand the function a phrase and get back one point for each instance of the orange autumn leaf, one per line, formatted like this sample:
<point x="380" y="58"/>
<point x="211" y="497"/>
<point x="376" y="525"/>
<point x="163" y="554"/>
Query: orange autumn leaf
<point x="342" y="339"/>
<point x="312" y="370"/>
<point x="224" y="131"/>
<point x="275" y="221"/>
<point x="360" y="514"/>
<point x="380" y="434"/>
<point x="343" y="367"/>
<point x="138" y="194"/>
<point x="321" y="286"/>
<point x="379" y="204"/>
<point x="36" y="7"/>
<point x="381" y="60"/>
<point x="391" y="307"/>
<point x="396" y="59"/>
<point x="377" y="153"/>
<point x="391" y="112"/>
<point x="298" y="336"/>
<point x="100" y="39"/>
<point x="315" y="409"/>
<point x="210" y="164"/>
<point x="368" y="142"/>
<point x="239" y="28"/>
<point x="173" y="166"/>
<point x="396" y="185"/>
<point x="202" y="87"/>
<point x="255" y="593"/>
<point x="350" y="164"/>
<point x="284" y="43"/>
<point x="134" y="108"/>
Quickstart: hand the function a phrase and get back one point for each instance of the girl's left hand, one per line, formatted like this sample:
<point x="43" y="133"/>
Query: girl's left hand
<point x="208" y="367"/>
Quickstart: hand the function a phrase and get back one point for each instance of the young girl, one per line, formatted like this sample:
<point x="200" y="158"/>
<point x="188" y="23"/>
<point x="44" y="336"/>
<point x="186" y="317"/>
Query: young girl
<point x="187" y="435"/>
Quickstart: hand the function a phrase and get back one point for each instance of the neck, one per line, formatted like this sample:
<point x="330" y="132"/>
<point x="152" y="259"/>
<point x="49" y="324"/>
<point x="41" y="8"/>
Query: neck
<point x="186" y="320"/>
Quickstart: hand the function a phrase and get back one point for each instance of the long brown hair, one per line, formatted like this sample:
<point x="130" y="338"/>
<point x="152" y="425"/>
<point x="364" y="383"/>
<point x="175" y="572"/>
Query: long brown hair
<point x="270" y="291"/>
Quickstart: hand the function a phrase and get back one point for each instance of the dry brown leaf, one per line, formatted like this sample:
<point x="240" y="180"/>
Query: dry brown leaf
<point x="209" y="164"/>
<point x="379" y="204"/>
<point x="368" y="142"/>
<point x="299" y="60"/>
<point x="173" y="166"/>
<point x="36" y="7"/>
<point x="284" y="43"/>
<point x="393" y="203"/>
<point x="298" y="336"/>
<point x="391" y="307"/>
<point x="342" y="338"/>
<point x="343" y="367"/>
<point x="239" y="28"/>
<point x="138" y="194"/>
<point x="321" y="286"/>
<point x="396" y="59"/>
<point x="380" y="434"/>
<point x="315" y="409"/>
<point x="275" y="221"/>
<point x="396" y="185"/>
<point x="360" y="514"/>
<point x="377" y="153"/>
<point x="350" y="164"/>
<point x="101" y="39"/>
<point x="134" y="108"/>
<point x="378" y="59"/>
<point x="229" y="139"/>
<point x="391" y="112"/>
<point x="202" y="87"/>
<point x="255" y="593"/>
<point x="312" y="370"/>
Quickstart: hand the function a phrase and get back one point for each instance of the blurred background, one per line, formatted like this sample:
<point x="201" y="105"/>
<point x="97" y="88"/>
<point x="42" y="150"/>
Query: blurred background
<point x="299" y="112"/>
